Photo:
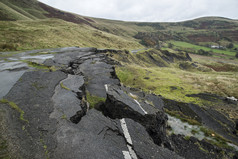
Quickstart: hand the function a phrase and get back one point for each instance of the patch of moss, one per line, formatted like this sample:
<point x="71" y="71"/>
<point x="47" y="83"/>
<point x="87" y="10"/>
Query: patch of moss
<point x="93" y="100"/>
<point x="63" y="86"/>
<point x="93" y="62"/>
<point x="201" y="148"/>
<point x="37" y="85"/>
<point x="53" y="69"/>
<point x="194" y="131"/>
<point x="36" y="65"/>
<point x="187" y="137"/>
<point x="149" y="102"/>
<point x="64" y="117"/>
<point x="215" y="139"/>
<point x="17" y="108"/>
<point x="4" y="154"/>
<point x="45" y="148"/>
<point x="40" y="66"/>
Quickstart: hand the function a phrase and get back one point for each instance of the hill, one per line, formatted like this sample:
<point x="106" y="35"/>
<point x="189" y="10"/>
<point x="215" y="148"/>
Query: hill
<point x="73" y="103"/>
<point x="16" y="14"/>
<point x="165" y="94"/>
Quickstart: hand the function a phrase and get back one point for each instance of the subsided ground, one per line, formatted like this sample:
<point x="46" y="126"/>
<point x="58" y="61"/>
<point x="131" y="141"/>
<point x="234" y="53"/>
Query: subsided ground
<point x="202" y="75"/>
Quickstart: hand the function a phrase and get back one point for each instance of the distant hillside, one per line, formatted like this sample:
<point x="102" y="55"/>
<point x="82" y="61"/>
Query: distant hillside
<point x="202" y="31"/>
<point x="32" y="10"/>
<point x="21" y="10"/>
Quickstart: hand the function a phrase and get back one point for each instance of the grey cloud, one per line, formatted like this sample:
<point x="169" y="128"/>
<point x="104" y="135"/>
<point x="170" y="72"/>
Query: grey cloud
<point x="148" y="10"/>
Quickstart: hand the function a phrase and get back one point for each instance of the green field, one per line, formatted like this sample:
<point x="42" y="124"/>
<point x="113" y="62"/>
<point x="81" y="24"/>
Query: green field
<point x="186" y="45"/>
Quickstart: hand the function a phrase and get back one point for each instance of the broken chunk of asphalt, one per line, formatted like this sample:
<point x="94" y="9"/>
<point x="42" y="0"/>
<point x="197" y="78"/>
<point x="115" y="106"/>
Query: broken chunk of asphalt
<point x="97" y="73"/>
<point x="66" y="100"/>
<point x="143" y="144"/>
<point x="119" y="105"/>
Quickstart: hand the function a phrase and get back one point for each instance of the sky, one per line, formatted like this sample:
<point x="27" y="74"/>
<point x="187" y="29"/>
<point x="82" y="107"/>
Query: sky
<point x="148" y="10"/>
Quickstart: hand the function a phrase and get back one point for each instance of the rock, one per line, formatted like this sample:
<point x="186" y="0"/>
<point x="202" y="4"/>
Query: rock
<point x="66" y="101"/>
<point x="120" y="105"/>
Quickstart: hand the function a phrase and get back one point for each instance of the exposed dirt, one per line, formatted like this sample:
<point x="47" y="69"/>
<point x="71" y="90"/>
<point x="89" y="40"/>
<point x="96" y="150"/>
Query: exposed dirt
<point x="223" y="67"/>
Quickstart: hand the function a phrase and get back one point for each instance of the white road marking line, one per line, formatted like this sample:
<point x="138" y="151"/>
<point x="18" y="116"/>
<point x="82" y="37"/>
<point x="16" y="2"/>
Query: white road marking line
<point x="140" y="106"/>
<point x="106" y="87"/>
<point x="133" y="96"/>
<point x="128" y="139"/>
<point x="132" y="152"/>
<point x="125" y="131"/>
<point x="126" y="155"/>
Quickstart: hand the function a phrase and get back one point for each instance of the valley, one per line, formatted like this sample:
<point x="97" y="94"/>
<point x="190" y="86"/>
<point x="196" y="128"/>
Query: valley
<point x="73" y="86"/>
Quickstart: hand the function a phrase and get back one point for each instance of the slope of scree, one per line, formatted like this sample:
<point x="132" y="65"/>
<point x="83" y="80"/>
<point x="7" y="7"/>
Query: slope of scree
<point x="47" y="114"/>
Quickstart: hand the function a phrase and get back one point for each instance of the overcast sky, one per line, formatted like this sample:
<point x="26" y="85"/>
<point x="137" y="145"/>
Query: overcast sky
<point x="148" y="10"/>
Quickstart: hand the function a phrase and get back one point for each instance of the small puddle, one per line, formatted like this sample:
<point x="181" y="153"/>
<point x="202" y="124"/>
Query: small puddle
<point x="11" y="65"/>
<point x="12" y="59"/>
<point x="183" y="128"/>
<point x="233" y="145"/>
<point x="13" y="68"/>
<point x="37" y="58"/>
<point x="7" y="80"/>
<point x="42" y="57"/>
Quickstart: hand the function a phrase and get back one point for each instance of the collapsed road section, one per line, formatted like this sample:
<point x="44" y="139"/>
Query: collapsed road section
<point x="80" y="110"/>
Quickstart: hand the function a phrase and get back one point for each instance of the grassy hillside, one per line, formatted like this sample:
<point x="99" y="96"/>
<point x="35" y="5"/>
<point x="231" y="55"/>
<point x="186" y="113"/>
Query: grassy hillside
<point x="25" y="32"/>
<point x="52" y="33"/>
<point x="31" y="25"/>
<point x="179" y="79"/>
<point x="20" y="10"/>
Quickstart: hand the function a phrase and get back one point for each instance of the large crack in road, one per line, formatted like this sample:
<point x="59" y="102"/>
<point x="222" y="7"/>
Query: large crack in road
<point x="61" y="125"/>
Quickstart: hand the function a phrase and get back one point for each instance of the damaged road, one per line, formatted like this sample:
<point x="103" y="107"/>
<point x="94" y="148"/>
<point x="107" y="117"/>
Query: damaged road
<point x="46" y="114"/>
